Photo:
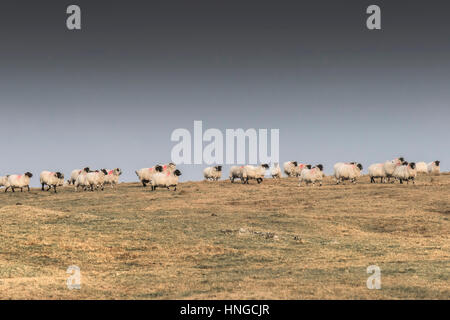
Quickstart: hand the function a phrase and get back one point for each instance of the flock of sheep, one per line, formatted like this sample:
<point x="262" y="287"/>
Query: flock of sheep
<point x="166" y="176"/>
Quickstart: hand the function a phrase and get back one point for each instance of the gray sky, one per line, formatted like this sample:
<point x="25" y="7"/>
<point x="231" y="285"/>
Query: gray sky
<point x="111" y="94"/>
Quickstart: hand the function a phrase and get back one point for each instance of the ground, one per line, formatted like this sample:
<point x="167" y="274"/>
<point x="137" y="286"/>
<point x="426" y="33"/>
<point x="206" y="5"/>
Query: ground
<point x="217" y="240"/>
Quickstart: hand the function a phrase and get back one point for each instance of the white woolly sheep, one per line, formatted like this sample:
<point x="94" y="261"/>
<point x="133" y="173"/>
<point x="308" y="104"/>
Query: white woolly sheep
<point x="313" y="175"/>
<point x="51" y="179"/>
<point x="376" y="170"/>
<point x="145" y="174"/>
<point x="19" y="181"/>
<point x="96" y="179"/>
<point x="81" y="180"/>
<point x="236" y="173"/>
<point x="434" y="167"/>
<point x="405" y="172"/>
<point x="390" y="165"/>
<point x="165" y="179"/>
<point x="75" y="173"/>
<point x="290" y="168"/>
<point x="112" y="178"/>
<point x="4" y="181"/>
<point x="252" y="172"/>
<point x="213" y="173"/>
<point x="347" y="171"/>
<point x="299" y="168"/>
<point x="421" y="167"/>
<point x="275" y="172"/>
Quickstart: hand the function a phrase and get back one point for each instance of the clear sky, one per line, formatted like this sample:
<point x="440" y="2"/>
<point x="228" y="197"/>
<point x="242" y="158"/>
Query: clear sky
<point x="111" y="94"/>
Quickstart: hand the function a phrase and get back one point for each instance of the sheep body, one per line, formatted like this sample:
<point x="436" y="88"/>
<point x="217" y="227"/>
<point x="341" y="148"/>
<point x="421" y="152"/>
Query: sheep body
<point x="390" y="165"/>
<point x="212" y="173"/>
<point x="165" y="179"/>
<point x="257" y="173"/>
<point x="405" y="172"/>
<point x="434" y="167"/>
<point x="51" y="179"/>
<point x="376" y="170"/>
<point x="275" y="172"/>
<point x="236" y="173"/>
<point x="112" y="177"/>
<point x="19" y="181"/>
<point x="290" y="168"/>
<point x="421" y="167"/>
<point x="75" y="173"/>
<point x="81" y="181"/>
<point x="96" y="179"/>
<point x="312" y="175"/>
<point x="145" y="174"/>
<point x="4" y="181"/>
<point x="347" y="171"/>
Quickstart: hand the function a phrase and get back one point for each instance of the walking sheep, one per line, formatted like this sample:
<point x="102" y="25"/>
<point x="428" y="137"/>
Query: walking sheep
<point x="376" y="170"/>
<point x="421" y="167"/>
<point x="236" y="173"/>
<point x="97" y="179"/>
<point x="165" y="179"/>
<point x="145" y="174"/>
<point x="290" y="168"/>
<point x="51" y="179"/>
<point x="434" y="167"/>
<point x="112" y="178"/>
<point x="405" y="172"/>
<point x="312" y="175"/>
<point x="81" y="180"/>
<point x="275" y="172"/>
<point x="390" y="165"/>
<point x="213" y="173"/>
<point x="347" y="171"/>
<point x="75" y="173"/>
<point x="19" y="181"/>
<point x="4" y="181"/>
<point x="256" y="173"/>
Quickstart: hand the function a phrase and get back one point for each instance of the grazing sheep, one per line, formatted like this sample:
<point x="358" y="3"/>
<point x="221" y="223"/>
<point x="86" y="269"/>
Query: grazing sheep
<point x="434" y="167"/>
<point x="276" y="171"/>
<point x="290" y="168"/>
<point x="75" y="173"/>
<point x="421" y="167"/>
<point x="51" y="179"/>
<point x="213" y="173"/>
<point x="19" y="181"/>
<point x="390" y="165"/>
<point x="97" y="179"/>
<point x="4" y="181"/>
<point x="112" y="177"/>
<point x="376" y="170"/>
<point x="165" y="179"/>
<point x="236" y="173"/>
<point x="313" y="175"/>
<point x="405" y="172"/>
<point x="145" y="174"/>
<point x="347" y="171"/>
<point x="252" y="172"/>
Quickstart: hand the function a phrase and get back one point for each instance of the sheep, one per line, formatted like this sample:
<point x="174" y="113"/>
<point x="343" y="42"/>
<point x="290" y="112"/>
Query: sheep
<point x="51" y="179"/>
<point x="4" y="181"/>
<point x="276" y="171"/>
<point x="390" y="165"/>
<point x="145" y="174"/>
<point x="112" y="177"/>
<point x="75" y="173"/>
<point x="347" y="171"/>
<point x="421" y="167"/>
<point x="236" y="172"/>
<point x="313" y="175"/>
<point x="434" y="167"/>
<point x="165" y="179"/>
<point x="252" y="172"/>
<point x="213" y="173"/>
<point x="290" y="168"/>
<point x="81" y="180"/>
<point x="19" y="181"/>
<point x="376" y="170"/>
<point x="96" y="179"/>
<point x="299" y="168"/>
<point x="405" y="172"/>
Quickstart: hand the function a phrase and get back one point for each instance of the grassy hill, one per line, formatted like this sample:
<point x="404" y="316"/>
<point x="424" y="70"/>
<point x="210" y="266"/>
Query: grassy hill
<point x="215" y="240"/>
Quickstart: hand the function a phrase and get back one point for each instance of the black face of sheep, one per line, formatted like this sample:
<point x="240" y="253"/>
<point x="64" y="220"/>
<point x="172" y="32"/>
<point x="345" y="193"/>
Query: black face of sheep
<point x="219" y="168"/>
<point x="309" y="166"/>
<point x="87" y="169"/>
<point x="265" y="166"/>
<point x="59" y="175"/>
<point x="159" y="168"/>
<point x="359" y="165"/>
<point x="118" y="171"/>
<point x="412" y="165"/>
<point x="177" y="173"/>
<point x="320" y="167"/>
<point x="404" y="163"/>
<point x="29" y="174"/>
<point x="104" y="171"/>
<point x="437" y="162"/>
<point x="401" y="159"/>
<point x="294" y="163"/>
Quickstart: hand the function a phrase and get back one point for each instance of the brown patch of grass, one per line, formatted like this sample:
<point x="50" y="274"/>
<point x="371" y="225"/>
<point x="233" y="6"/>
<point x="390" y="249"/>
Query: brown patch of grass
<point x="217" y="240"/>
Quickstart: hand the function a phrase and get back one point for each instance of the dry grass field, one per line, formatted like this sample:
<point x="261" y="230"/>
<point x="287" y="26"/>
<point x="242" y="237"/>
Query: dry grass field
<point x="221" y="241"/>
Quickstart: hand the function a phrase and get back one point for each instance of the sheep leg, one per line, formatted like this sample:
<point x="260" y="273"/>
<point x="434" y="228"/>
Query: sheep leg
<point x="13" y="189"/>
<point x="6" y="189"/>
<point x="92" y="187"/>
<point x="49" y="187"/>
<point x="372" y="180"/>
<point x="42" y="189"/>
